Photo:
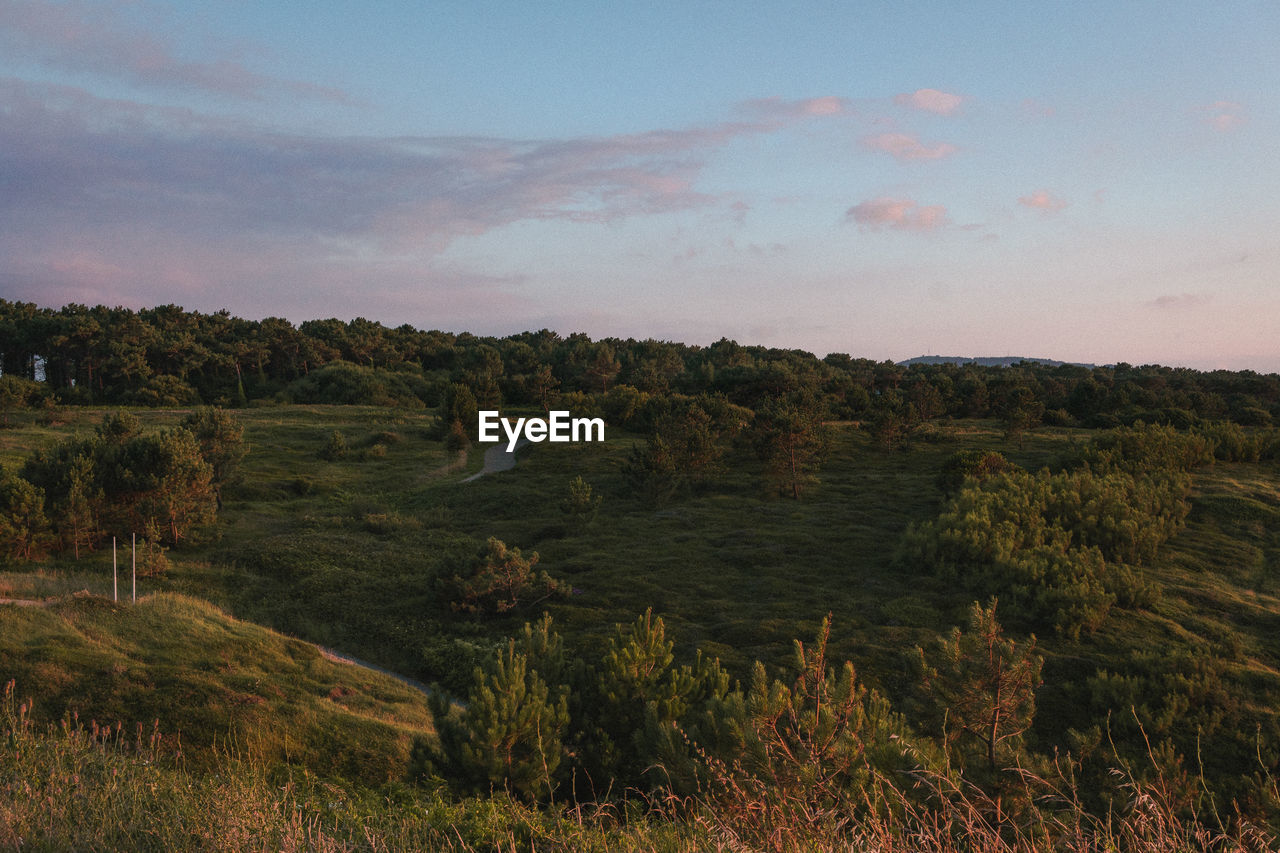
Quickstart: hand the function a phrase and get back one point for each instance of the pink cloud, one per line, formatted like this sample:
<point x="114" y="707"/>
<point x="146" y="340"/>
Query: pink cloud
<point x="778" y="109"/>
<point x="903" y="214"/>
<point x="1043" y="200"/>
<point x="930" y="100"/>
<point x="904" y="146"/>
<point x="89" y="37"/>
<point x="1224" y="116"/>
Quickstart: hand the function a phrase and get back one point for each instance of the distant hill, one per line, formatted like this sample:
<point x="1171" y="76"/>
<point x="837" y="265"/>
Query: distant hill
<point x="987" y="361"/>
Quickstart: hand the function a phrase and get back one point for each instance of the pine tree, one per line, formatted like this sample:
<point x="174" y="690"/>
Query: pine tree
<point x="580" y="505"/>
<point x="24" y="527"/>
<point x="791" y="438"/>
<point x="982" y="687"/>
<point x="158" y="481"/>
<point x="651" y="471"/>
<point x="500" y="580"/>
<point x="805" y="752"/>
<point x="221" y="439"/>
<point x="511" y="731"/>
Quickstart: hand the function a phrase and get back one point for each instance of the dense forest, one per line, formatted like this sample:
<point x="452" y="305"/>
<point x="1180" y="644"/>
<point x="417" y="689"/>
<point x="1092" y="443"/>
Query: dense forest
<point x="792" y="602"/>
<point x="167" y="356"/>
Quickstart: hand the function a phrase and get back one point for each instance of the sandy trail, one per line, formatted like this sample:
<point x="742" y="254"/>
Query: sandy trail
<point x="496" y="459"/>
<point x="342" y="657"/>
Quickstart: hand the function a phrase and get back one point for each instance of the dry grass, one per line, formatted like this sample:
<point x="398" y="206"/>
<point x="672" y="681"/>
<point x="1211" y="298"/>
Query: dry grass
<point x="934" y="813"/>
<point x="77" y="787"/>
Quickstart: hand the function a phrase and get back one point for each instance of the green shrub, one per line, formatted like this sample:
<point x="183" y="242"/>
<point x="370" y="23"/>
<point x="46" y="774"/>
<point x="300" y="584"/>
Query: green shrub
<point x="341" y="382"/>
<point x="976" y="464"/>
<point x="501" y="579"/>
<point x="335" y="448"/>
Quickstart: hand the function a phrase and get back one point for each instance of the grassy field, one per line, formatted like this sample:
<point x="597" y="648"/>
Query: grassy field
<point x="350" y="552"/>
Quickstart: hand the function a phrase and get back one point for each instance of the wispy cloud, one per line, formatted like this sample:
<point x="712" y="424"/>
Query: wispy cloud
<point x="901" y="213"/>
<point x="930" y="100"/>
<point x="1043" y="200"/>
<point x="784" y="110"/>
<point x="110" y="196"/>
<point x="84" y="37"/>
<point x="904" y="146"/>
<point x="1224" y="116"/>
<point x="1177" y="301"/>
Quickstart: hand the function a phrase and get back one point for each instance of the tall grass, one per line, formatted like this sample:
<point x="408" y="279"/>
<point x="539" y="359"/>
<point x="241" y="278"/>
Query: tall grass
<point x="932" y="813"/>
<point x="75" y="787"/>
<point x="81" y="787"/>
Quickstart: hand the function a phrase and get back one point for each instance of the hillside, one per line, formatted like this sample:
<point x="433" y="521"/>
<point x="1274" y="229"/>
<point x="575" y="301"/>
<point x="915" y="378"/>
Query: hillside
<point x="989" y="361"/>
<point x="217" y="686"/>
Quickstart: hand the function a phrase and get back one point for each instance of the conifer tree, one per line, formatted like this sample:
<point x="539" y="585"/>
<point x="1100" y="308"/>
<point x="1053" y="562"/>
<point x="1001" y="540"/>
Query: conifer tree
<point x="68" y="473"/>
<point x="791" y="438"/>
<point x="501" y="579"/>
<point x="512" y="729"/>
<point x="651" y="471"/>
<point x="221" y="439"/>
<point x="581" y="505"/>
<point x="982" y="689"/>
<point x="24" y="527"/>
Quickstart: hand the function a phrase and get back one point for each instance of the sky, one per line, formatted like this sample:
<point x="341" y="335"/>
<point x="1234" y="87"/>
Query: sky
<point x="1085" y="181"/>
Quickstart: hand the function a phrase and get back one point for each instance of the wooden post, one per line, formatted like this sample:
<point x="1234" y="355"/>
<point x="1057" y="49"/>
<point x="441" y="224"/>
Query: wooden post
<point x="133" y="553"/>
<point x="115" y="577"/>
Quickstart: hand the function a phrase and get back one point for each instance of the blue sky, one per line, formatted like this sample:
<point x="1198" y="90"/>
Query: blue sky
<point x="1084" y="181"/>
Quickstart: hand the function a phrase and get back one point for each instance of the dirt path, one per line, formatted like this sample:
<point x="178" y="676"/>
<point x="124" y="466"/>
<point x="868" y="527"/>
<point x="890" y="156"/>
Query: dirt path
<point x="497" y="459"/>
<point x="342" y="657"/>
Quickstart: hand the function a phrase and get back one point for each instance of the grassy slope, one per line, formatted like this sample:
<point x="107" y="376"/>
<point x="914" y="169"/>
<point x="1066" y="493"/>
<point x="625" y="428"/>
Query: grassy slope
<point x="217" y="685"/>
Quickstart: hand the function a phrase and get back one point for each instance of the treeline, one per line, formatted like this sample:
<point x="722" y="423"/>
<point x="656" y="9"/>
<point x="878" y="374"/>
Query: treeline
<point x="167" y="356"/>
<point x="121" y="481"/>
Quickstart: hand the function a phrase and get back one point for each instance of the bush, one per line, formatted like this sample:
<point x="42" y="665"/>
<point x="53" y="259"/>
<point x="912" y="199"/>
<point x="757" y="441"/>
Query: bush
<point x="1143" y="447"/>
<point x="579" y="404"/>
<point x="500" y="579"/>
<point x="1042" y="542"/>
<point x="341" y="382"/>
<point x="979" y="465"/>
<point x="163" y="391"/>
<point x="1232" y="443"/>
<point x="457" y="439"/>
<point x="376" y="451"/>
<point x="622" y="404"/>
<point x="336" y="448"/>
